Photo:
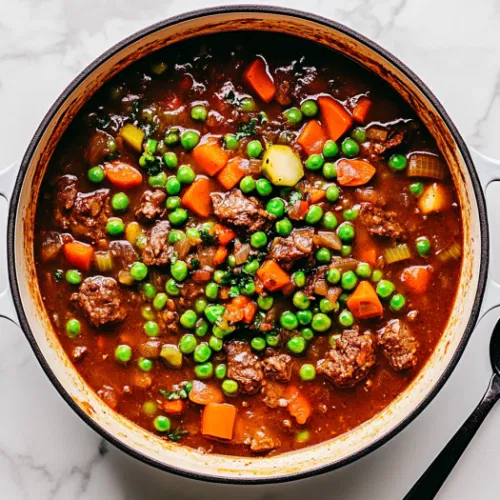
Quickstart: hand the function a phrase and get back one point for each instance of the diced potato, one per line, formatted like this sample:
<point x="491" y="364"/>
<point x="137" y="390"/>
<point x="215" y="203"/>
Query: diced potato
<point x="133" y="136"/>
<point x="282" y="166"/>
<point x="435" y="198"/>
<point x="171" y="354"/>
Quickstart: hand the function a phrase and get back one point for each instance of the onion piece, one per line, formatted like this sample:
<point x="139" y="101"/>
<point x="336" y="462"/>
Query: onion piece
<point x="334" y="292"/>
<point x="206" y="256"/>
<point x="397" y="253"/>
<point x="344" y="264"/>
<point x="51" y="246"/>
<point x="327" y="239"/>
<point x="242" y="254"/>
<point x="182" y="248"/>
<point x="426" y="165"/>
<point x="125" y="278"/>
<point x="253" y="166"/>
<point x="320" y="287"/>
<point x="452" y="252"/>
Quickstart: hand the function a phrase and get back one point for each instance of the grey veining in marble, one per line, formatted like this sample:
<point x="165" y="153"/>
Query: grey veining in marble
<point x="46" y="451"/>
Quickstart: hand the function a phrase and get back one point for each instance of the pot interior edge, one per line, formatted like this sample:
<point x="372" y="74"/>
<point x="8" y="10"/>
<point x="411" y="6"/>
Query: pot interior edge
<point x="321" y="455"/>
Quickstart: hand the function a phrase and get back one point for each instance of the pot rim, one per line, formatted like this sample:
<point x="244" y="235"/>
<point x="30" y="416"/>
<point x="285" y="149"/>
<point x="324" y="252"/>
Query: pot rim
<point x="228" y="9"/>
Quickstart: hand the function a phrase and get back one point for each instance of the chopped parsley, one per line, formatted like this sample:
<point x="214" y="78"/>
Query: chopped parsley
<point x="152" y="164"/>
<point x="58" y="274"/>
<point x="177" y="434"/>
<point x="247" y="129"/>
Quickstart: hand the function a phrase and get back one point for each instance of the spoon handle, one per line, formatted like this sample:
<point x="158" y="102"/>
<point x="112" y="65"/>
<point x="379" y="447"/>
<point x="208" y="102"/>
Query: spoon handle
<point x="433" y="478"/>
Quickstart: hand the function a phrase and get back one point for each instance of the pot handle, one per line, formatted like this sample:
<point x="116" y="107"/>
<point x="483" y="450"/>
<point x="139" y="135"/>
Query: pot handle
<point x="7" y="178"/>
<point x="488" y="170"/>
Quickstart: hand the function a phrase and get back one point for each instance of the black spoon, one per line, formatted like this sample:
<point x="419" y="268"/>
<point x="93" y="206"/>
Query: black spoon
<point x="433" y="478"/>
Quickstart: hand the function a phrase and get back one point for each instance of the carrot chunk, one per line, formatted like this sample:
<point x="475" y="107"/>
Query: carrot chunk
<point x="210" y="156"/>
<point x="361" y="110"/>
<point x="122" y="175"/>
<point x="197" y="197"/>
<point x="272" y="276"/>
<point x="79" y="255"/>
<point x="220" y="255"/>
<point x="354" y="172"/>
<point x="364" y="302"/>
<point x="218" y="420"/>
<point x="312" y="137"/>
<point x="232" y="173"/>
<point x="334" y="117"/>
<point x="416" y="278"/>
<point x="298" y="405"/>
<point x="259" y="80"/>
<point x="224" y="234"/>
<point x="241" y="308"/>
<point x="204" y="394"/>
<point x="174" y="407"/>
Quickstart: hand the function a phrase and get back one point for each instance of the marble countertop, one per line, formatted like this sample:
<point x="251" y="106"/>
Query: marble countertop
<point x="46" y="451"/>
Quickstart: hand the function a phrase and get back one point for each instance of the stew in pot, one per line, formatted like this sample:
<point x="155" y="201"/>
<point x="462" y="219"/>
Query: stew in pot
<point x="248" y="247"/>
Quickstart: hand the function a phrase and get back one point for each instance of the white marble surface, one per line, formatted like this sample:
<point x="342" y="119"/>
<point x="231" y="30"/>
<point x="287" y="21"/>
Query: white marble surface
<point x="46" y="451"/>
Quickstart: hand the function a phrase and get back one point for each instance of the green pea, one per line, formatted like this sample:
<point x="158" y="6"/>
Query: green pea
<point x="202" y="353"/>
<point x="172" y="138"/>
<point x="314" y="214"/>
<point x="173" y="202"/>
<point x="304" y="316"/>
<point x="201" y="328"/>
<point x="329" y="221"/>
<point x="326" y="306"/>
<point x="148" y="313"/>
<point x="199" y="113"/>
<point x="265" y="303"/>
<point x="175" y="236"/>
<point x="215" y="344"/>
<point x="149" y="408"/>
<point x="289" y="321"/>
<point x="349" y="280"/>
<point x="264" y="187"/>
<point x="300" y="300"/>
<point x="314" y="162"/>
<point x="178" y="216"/>
<point x="276" y="207"/>
<point x="231" y="142"/>
<point x="230" y="387"/>
<point x="187" y="343"/>
<point x="251" y="266"/>
<point x="364" y="270"/>
<point x="179" y="270"/>
<point x="145" y="364"/>
<point x="346" y="318"/>
<point x="284" y="227"/>
<point x="115" y="226"/>
<point x="423" y="246"/>
<point x="385" y="289"/>
<point x="333" y="276"/>
<point x="254" y="149"/>
<point x="219" y="276"/>
<point x="173" y="186"/>
<point x="248" y="105"/>
<point x="323" y="255"/>
<point x="248" y="288"/>
<point x="397" y="302"/>
<point x="258" y="343"/>
<point x="247" y="184"/>
<point x="185" y="174"/>
<point x="346" y="250"/>
<point x="329" y="171"/>
<point x="307" y="334"/>
<point x="258" y="239"/>
<point x="193" y="235"/>
<point x="344" y="297"/>
<point x="158" y="180"/>
<point x="377" y="275"/>
<point x="172" y="288"/>
<point x="119" y="202"/>
<point x="359" y="134"/>
<point x="297" y="344"/>
<point x="307" y="372"/>
<point x="73" y="328"/>
<point x="160" y="301"/>
<point x="351" y="213"/>
<point x="220" y="371"/>
<point x="332" y="193"/>
<point x="346" y="232"/>
<point x="188" y="319"/>
<point x="330" y="149"/>
<point x="190" y="139"/>
<point x="73" y="276"/>
<point x="138" y="271"/>
<point x="299" y="279"/>
<point x="96" y="175"/>
<point x="212" y="290"/>
<point x="170" y="159"/>
<point x="272" y="340"/>
<point x="151" y="329"/>
<point x="309" y="108"/>
<point x="350" y="148"/>
<point x="204" y="370"/>
<point x="149" y="290"/>
<point x="214" y="311"/>
<point x="416" y="188"/>
<point x="293" y="115"/>
<point x="321" y="322"/>
<point x="123" y="353"/>
<point x="111" y="144"/>
<point x="200" y="305"/>
<point x="162" y="423"/>
<point x="397" y="162"/>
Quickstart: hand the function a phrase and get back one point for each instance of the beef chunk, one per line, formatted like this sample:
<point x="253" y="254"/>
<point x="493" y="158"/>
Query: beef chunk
<point x="262" y="442"/>
<point x="296" y="246"/>
<point x="123" y="253"/>
<point x="283" y="93"/>
<point x="90" y="214"/>
<point x="158" y="251"/>
<point x="64" y="199"/>
<point x="151" y="206"/>
<point x="98" y="148"/>
<point x="274" y="394"/>
<point x="243" y="213"/>
<point x="278" y="367"/>
<point x="380" y="222"/>
<point x="394" y="139"/>
<point x="244" y="366"/>
<point x="350" y="360"/>
<point x="100" y="299"/>
<point x="398" y="345"/>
